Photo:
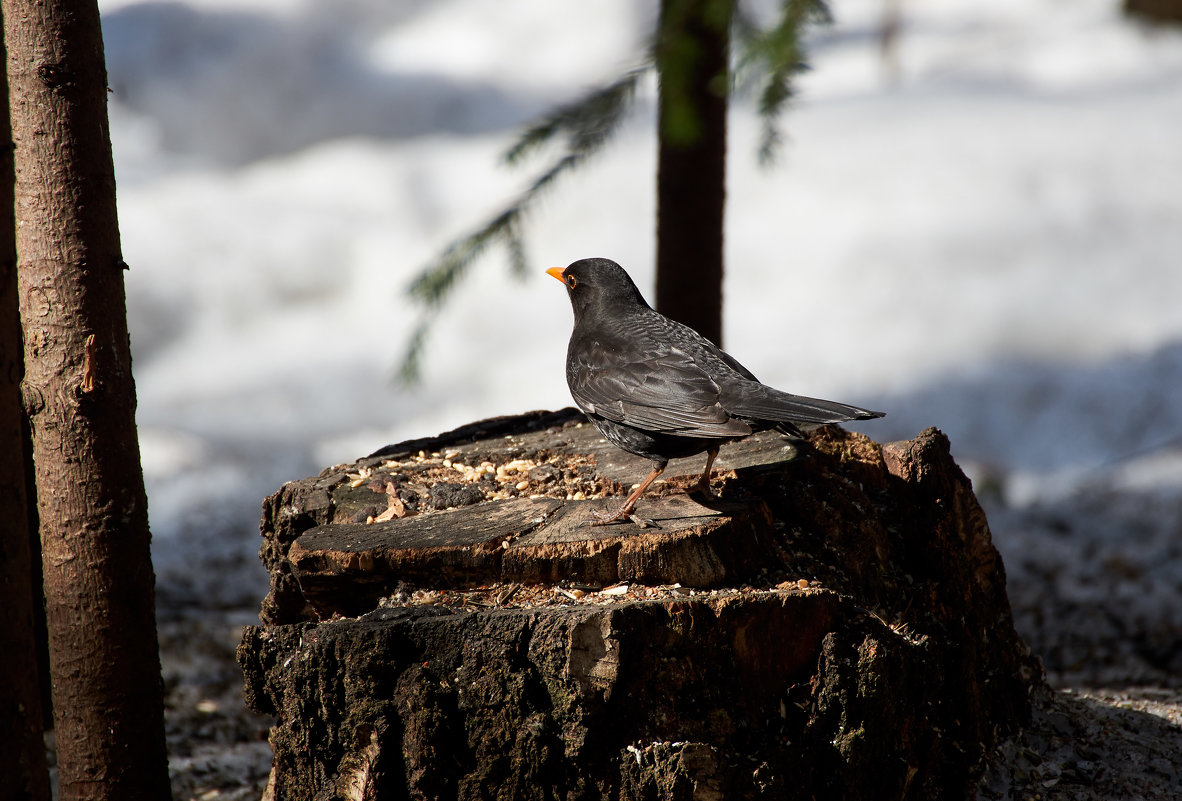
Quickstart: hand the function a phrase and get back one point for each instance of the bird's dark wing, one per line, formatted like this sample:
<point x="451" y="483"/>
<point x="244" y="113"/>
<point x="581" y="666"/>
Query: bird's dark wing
<point x="658" y="389"/>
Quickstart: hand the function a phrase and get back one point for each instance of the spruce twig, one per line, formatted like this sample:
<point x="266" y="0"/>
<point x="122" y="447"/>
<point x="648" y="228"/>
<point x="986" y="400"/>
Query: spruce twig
<point x="587" y="124"/>
<point x="777" y="53"/>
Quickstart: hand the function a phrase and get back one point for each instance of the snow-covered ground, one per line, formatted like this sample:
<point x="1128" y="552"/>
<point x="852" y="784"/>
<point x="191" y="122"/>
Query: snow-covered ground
<point x="986" y="237"/>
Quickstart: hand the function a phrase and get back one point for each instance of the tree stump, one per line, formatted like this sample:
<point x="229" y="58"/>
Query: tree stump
<point x="836" y="626"/>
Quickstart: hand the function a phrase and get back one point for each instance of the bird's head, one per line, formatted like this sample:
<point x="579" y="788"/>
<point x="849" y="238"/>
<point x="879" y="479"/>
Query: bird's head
<point x="596" y="284"/>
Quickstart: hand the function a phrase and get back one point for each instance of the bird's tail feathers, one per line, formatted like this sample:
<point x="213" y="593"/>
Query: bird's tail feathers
<point x="765" y="403"/>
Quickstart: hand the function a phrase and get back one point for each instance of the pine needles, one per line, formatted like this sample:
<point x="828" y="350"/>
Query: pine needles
<point x="585" y="126"/>
<point x="777" y="56"/>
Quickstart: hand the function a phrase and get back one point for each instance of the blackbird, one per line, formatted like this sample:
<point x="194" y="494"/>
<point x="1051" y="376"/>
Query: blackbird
<point x="659" y="389"/>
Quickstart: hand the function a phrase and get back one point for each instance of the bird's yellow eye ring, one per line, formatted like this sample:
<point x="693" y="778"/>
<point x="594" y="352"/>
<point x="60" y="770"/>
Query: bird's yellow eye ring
<point x="571" y="281"/>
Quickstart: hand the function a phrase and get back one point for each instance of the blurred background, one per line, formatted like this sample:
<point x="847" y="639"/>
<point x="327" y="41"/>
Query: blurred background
<point x="978" y="227"/>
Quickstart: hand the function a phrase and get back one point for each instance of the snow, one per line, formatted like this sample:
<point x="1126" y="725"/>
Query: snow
<point x="984" y="239"/>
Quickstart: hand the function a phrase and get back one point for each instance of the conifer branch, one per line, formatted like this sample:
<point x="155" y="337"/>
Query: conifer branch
<point x="779" y="56"/>
<point x="587" y="125"/>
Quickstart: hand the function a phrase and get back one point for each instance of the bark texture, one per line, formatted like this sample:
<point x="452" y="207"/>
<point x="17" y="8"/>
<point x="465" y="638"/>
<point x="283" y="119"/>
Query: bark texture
<point x="80" y="397"/>
<point x="835" y="627"/>
<point x="23" y="761"/>
<point x="693" y="52"/>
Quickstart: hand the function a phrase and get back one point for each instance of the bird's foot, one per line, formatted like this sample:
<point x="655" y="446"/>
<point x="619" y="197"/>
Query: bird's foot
<point x="599" y="518"/>
<point x="702" y="489"/>
<point x="620" y="516"/>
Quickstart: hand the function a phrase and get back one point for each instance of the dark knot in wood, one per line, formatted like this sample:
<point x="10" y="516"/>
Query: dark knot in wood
<point x="53" y="76"/>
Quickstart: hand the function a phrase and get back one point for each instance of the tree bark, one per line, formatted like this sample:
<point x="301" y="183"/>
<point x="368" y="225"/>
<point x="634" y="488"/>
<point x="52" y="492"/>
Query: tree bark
<point x="22" y="763"/>
<point x="80" y="398"/>
<point x="693" y="51"/>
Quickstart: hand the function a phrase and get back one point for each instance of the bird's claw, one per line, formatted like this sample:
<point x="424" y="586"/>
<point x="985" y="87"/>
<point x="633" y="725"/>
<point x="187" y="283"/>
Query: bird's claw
<point x="702" y="490"/>
<point x="607" y="518"/>
<point x="599" y="518"/>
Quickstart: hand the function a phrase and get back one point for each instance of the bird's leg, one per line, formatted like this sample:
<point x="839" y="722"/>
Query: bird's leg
<point x="703" y="484"/>
<point x="625" y="511"/>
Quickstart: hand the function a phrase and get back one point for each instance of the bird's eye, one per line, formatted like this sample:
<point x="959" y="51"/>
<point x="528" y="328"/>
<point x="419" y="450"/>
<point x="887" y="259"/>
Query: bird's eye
<point x="571" y="281"/>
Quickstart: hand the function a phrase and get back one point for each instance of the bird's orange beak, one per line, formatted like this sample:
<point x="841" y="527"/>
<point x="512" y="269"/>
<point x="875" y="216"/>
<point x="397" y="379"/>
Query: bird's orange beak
<point x="557" y="273"/>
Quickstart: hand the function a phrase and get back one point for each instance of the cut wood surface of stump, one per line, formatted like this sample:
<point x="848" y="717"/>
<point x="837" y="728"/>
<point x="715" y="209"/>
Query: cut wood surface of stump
<point x="441" y="624"/>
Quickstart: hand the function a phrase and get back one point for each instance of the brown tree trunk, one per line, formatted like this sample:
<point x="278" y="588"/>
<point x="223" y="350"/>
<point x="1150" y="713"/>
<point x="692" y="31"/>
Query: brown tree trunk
<point x="1155" y="10"/>
<point x="692" y="59"/>
<point x="22" y="762"/>
<point x="80" y="397"/>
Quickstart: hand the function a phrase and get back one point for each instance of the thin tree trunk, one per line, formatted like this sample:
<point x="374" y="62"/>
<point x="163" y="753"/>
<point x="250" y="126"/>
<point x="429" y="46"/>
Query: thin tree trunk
<point x="80" y="397"/>
<point x="22" y="762"/>
<point x="693" y="50"/>
<point x="1155" y="10"/>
